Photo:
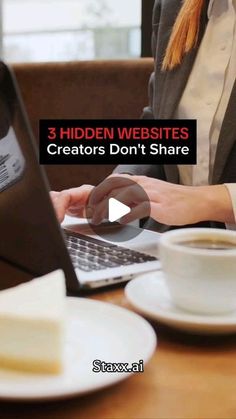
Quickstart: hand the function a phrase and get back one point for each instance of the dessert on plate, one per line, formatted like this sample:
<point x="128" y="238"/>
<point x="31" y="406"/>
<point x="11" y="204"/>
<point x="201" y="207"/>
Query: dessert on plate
<point x="32" y="317"/>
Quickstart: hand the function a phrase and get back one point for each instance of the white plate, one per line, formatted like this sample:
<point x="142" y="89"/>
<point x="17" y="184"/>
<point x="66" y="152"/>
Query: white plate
<point x="95" y="330"/>
<point x="150" y="296"/>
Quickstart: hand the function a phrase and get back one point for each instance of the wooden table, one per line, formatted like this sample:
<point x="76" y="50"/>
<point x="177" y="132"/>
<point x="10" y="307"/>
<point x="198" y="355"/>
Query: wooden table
<point x="189" y="377"/>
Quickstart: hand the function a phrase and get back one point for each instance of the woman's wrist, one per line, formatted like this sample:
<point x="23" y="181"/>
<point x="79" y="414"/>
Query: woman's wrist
<point x="216" y="204"/>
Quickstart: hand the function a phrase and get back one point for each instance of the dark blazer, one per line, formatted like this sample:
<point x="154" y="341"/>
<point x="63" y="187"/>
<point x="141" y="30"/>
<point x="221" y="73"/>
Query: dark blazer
<point x="165" y="91"/>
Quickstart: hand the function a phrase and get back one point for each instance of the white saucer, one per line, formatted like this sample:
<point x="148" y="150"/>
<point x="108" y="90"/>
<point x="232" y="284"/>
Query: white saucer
<point x="150" y="296"/>
<point x="95" y="330"/>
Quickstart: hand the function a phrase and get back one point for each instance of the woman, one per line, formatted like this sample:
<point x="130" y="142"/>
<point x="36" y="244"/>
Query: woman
<point x="194" y="46"/>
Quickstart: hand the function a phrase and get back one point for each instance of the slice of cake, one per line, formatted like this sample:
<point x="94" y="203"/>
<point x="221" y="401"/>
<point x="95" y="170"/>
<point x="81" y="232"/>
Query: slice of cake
<point x="32" y="319"/>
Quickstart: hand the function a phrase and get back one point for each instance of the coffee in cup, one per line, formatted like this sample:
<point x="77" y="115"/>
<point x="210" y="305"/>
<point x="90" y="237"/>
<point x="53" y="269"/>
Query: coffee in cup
<point x="199" y="265"/>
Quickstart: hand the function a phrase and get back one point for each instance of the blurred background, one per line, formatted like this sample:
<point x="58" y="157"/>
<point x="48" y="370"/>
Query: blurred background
<point x="68" y="30"/>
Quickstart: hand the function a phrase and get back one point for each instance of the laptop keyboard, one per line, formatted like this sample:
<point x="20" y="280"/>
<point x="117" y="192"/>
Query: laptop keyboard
<point x="90" y="254"/>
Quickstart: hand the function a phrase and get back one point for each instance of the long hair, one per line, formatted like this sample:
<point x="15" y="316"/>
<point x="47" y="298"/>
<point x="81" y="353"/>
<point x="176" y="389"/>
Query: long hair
<point x="184" y="34"/>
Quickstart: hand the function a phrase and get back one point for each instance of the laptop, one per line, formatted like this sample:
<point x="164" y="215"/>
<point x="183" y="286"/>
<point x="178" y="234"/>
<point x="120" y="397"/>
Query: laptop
<point x="32" y="240"/>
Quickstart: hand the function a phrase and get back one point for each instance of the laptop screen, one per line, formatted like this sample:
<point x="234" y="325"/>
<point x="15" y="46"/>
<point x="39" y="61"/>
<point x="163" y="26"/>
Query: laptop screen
<point x="31" y="238"/>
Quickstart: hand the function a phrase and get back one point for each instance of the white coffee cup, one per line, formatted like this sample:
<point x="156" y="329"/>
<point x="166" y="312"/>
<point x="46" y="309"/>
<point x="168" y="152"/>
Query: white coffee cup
<point x="200" y="279"/>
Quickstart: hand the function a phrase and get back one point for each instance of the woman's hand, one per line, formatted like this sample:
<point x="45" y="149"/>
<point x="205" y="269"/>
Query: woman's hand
<point x="71" y="201"/>
<point x="170" y="204"/>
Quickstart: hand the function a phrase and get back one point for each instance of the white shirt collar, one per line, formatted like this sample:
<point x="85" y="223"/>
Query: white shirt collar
<point x="212" y="2"/>
<point x="210" y="8"/>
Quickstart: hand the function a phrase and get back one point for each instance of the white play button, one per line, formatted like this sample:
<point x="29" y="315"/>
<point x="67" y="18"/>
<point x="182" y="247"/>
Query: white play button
<point x="117" y="210"/>
<point x="113" y="208"/>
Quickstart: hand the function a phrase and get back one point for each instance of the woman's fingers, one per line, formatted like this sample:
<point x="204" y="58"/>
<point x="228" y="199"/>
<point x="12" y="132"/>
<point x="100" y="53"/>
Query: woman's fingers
<point x="90" y="202"/>
<point x="109" y="186"/>
<point x="138" y="212"/>
<point x="60" y="202"/>
<point x="129" y="196"/>
<point x="71" y="201"/>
